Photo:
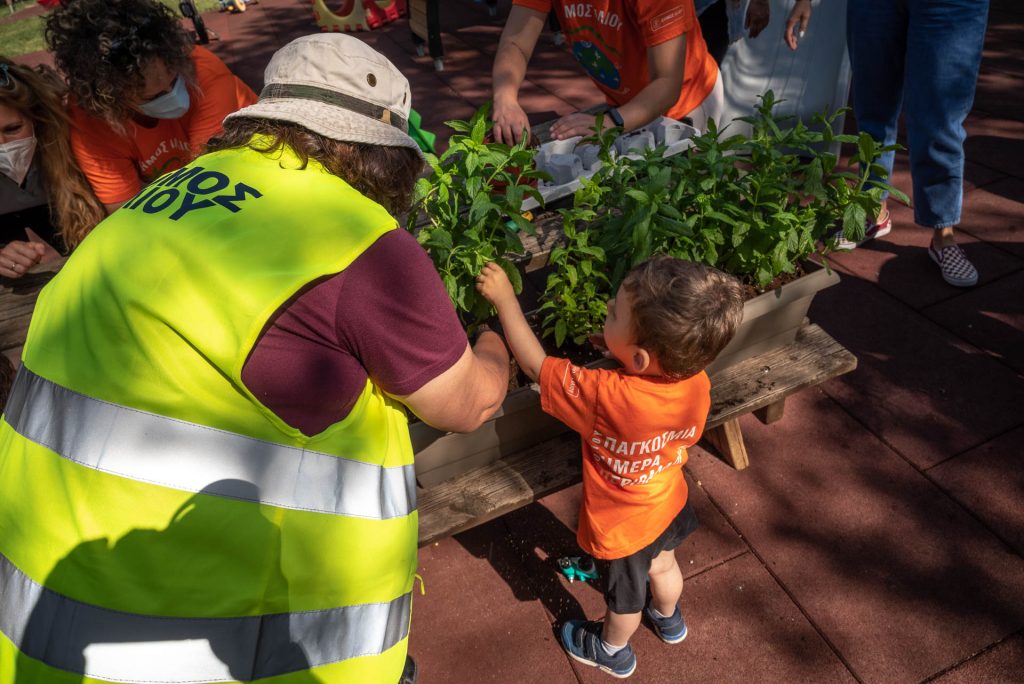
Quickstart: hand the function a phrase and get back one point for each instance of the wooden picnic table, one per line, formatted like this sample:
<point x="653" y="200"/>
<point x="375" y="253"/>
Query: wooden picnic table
<point x="17" y="300"/>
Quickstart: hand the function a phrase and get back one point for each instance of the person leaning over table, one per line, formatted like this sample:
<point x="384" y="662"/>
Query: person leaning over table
<point x="145" y="98"/>
<point x="225" y="366"/>
<point x="647" y="56"/>
<point x="45" y="201"/>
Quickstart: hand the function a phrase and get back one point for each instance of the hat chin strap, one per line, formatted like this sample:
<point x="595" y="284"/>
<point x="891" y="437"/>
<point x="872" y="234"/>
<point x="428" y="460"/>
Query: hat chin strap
<point x="336" y="99"/>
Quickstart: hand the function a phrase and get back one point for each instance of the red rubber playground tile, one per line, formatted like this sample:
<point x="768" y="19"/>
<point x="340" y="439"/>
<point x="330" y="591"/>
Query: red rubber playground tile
<point x="1000" y="663"/>
<point x="471" y="626"/>
<point x="926" y="393"/>
<point x="902" y="581"/>
<point x="989" y="481"/>
<point x="898" y="263"/>
<point x="990" y="317"/>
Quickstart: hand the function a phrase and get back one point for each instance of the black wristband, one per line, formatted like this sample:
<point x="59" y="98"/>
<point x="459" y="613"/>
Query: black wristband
<point x="616" y="117"/>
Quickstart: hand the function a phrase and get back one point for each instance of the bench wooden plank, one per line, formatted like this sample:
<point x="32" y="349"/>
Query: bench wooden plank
<point x="521" y="478"/>
<point x="17" y="301"/>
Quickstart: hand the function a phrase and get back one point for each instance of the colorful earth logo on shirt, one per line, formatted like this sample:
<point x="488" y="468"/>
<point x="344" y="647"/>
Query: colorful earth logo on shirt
<point x="597" y="64"/>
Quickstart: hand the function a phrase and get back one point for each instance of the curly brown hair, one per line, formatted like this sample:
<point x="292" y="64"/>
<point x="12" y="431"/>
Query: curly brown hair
<point x="384" y="174"/>
<point x="103" y="47"/>
<point x="683" y="313"/>
<point x="38" y="95"/>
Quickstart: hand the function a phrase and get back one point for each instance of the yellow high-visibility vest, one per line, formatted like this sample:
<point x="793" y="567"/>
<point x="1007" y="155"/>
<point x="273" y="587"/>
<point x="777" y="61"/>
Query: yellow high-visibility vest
<point x="157" y="522"/>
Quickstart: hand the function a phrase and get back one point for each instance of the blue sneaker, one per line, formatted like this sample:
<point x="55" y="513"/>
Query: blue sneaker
<point x="672" y="629"/>
<point x="582" y="641"/>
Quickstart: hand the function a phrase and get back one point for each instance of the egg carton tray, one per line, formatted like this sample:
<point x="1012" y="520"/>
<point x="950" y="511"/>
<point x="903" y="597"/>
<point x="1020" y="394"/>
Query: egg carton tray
<point x="567" y="161"/>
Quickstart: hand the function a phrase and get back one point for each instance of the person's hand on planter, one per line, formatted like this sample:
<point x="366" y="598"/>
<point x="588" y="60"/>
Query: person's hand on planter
<point x="510" y="121"/>
<point x="578" y="124"/>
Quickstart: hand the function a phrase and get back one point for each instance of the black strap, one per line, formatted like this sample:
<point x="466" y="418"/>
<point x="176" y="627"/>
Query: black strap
<point x="353" y="104"/>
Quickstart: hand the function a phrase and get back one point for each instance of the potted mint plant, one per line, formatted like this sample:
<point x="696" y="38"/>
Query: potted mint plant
<point x="766" y="207"/>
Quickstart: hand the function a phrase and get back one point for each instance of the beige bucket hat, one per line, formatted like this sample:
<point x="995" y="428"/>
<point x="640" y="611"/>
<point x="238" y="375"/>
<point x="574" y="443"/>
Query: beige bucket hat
<point x="336" y="85"/>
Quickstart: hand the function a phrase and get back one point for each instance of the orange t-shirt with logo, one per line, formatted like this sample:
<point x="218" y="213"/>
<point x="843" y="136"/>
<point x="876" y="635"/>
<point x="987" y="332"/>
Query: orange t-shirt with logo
<point x="118" y="165"/>
<point x="610" y="38"/>
<point x="635" y="431"/>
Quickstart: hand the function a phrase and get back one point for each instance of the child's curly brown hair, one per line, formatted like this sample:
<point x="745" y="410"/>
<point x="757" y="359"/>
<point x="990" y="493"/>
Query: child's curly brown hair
<point x="102" y="46"/>
<point x="683" y="313"/>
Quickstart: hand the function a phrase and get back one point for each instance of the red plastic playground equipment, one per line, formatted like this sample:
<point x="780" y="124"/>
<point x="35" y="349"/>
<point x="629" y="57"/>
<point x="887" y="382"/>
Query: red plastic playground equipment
<point x="357" y="15"/>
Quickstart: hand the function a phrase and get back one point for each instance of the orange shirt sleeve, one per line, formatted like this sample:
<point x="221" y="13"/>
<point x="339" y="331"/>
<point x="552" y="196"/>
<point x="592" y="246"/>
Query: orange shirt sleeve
<point x="220" y="93"/>
<point x="106" y="159"/>
<point x="662" y="20"/>
<point x="569" y="393"/>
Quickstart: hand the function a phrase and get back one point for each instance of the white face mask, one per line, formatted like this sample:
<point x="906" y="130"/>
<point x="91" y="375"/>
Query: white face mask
<point x="16" y="158"/>
<point x="170" y="105"/>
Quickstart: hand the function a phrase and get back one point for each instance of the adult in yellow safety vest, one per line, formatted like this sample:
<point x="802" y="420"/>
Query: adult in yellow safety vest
<point x="205" y="466"/>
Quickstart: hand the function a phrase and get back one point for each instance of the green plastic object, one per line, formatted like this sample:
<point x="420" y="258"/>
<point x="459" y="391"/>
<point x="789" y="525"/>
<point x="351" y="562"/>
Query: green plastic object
<point x="580" y="568"/>
<point x="425" y="139"/>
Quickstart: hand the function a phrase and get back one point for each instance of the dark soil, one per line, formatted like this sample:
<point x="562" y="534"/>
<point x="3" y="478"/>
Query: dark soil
<point x="750" y="290"/>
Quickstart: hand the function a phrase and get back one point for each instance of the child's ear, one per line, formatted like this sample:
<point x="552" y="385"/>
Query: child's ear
<point x="641" y="360"/>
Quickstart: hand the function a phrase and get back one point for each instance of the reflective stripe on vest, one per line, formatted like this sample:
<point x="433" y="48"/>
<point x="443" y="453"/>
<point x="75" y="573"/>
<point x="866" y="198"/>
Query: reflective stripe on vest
<point x="185" y="456"/>
<point x="112" y="645"/>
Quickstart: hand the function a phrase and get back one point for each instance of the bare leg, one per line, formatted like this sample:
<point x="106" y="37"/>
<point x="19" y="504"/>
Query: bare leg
<point x="666" y="588"/>
<point x="666" y="583"/>
<point x="619" y="627"/>
<point x="883" y="212"/>
<point x="943" y="237"/>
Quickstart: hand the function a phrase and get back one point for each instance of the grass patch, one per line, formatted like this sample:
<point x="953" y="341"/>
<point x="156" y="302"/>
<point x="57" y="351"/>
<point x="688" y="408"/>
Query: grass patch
<point x="23" y="36"/>
<point x="26" y="35"/>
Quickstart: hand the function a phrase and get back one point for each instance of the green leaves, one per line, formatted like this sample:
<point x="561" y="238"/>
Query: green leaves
<point x="753" y="205"/>
<point x="577" y="290"/>
<point x="473" y="201"/>
<point x="853" y="222"/>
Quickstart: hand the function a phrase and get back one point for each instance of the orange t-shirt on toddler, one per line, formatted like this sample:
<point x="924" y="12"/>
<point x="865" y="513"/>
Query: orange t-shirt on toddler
<point x="119" y="164"/>
<point x="635" y="431"/>
<point x="610" y="39"/>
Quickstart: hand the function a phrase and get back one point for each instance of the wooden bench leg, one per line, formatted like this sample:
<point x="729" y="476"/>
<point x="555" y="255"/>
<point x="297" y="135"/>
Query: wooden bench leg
<point x="727" y="439"/>
<point x="772" y="412"/>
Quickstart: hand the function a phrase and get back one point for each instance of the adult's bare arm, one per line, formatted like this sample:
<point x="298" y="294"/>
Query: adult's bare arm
<point x="666" y="64"/>
<point x="758" y="15"/>
<point x="468" y="393"/>
<point x="518" y="39"/>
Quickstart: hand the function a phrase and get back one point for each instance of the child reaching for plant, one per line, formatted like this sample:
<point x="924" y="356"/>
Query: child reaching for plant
<point x="669" y="319"/>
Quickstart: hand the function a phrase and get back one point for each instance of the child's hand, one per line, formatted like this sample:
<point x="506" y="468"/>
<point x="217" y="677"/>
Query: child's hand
<point x="495" y="286"/>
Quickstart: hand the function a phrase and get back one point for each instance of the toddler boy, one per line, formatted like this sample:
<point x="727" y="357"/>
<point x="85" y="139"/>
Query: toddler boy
<point x="669" y="319"/>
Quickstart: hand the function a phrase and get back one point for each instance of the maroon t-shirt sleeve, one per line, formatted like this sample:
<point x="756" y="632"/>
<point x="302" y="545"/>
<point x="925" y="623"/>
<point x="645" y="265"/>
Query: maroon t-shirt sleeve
<point x="395" y="316"/>
<point x="386" y="316"/>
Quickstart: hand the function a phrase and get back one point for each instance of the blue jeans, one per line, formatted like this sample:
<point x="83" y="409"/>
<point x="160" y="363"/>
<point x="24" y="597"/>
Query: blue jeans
<point x="921" y="56"/>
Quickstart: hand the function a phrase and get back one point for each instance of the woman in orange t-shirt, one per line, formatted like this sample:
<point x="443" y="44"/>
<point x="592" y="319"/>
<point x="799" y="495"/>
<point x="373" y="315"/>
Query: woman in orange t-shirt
<point x="145" y="99"/>
<point x="647" y="56"/>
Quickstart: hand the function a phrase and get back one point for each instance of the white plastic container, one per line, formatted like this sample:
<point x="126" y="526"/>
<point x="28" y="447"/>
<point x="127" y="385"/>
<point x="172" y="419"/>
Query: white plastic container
<point x="566" y="161"/>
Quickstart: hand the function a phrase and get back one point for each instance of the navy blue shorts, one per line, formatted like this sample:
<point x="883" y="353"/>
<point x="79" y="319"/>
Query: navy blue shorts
<point x="626" y="591"/>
